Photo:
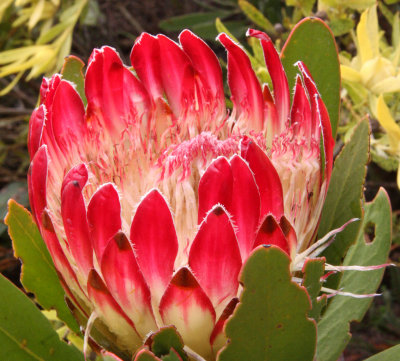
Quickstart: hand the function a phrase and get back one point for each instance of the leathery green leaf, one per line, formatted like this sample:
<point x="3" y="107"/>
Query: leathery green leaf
<point x="172" y="356"/>
<point x="271" y="314"/>
<point x="312" y="42"/>
<point x="72" y="70"/>
<point x="25" y="333"/>
<point x="391" y="354"/>
<point x="344" y="197"/>
<point x="371" y="248"/>
<point x="146" y="355"/>
<point x="177" y="23"/>
<point x="163" y="340"/>
<point x="38" y="273"/>
<point x="15" y="190"/>
<point x="313" y="270"/>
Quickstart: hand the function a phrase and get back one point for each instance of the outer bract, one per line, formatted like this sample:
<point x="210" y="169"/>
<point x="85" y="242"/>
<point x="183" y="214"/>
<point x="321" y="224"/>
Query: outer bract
<point x="152" y="197"/>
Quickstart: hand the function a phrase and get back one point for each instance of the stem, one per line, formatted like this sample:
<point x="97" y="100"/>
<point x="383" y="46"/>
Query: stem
<point x="89" y="326"/>
<point x="195" y="356"/>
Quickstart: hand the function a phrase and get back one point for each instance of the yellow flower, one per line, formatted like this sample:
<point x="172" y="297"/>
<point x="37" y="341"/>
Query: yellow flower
<point x="392" y="129"/>
<point x="373" y="72"/>
<point x="377" y="72"/>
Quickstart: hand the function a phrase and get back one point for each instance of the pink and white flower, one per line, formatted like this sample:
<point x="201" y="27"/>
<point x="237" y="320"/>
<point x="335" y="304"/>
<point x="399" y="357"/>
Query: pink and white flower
<point x="152" y="197"/>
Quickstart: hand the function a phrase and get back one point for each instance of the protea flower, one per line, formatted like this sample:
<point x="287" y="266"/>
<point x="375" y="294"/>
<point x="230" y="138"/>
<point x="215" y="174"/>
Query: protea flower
<point x="152" y="197"/>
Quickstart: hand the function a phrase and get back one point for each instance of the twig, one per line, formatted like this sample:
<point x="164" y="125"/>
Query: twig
<point x="193" y="354"/>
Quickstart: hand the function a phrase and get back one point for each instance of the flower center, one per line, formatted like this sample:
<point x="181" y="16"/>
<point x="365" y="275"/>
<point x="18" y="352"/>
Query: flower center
<point x="181" y="167"/>
<point x="176" y="172"/>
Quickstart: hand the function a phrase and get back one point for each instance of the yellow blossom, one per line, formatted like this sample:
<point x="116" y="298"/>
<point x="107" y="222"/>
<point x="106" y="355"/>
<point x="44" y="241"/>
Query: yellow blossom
<point x="371" y="74"/>
<point x="392" y="129"/>
<point x="377" y="72"/>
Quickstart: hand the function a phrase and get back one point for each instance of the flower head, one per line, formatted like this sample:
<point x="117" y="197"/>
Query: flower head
<point x="152" y="197"/>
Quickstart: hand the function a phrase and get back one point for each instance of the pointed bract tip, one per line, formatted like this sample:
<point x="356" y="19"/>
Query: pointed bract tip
<point x="258" y="34"/>
<point x="79" y="174"/>
<point x="225" y="40"/>
<point x="154" y="193"/>
<point x="187" y="33"/>
<point x="184" y="278"/>
<point x="269" y="224"/>
<point x="217" y="38"/>
<point x="47" y="223"/>
<point x="143" y="37"/>
<point x="218" y="210"/>
<point x="285" y="226"/>
<point x="121" y="240"/>
<point x="141" y="40"/>
<point x="95" y="281"/>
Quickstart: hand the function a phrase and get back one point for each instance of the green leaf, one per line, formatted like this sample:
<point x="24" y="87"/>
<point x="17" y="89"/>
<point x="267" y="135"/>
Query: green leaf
<point x="333" y="329"/>
<point x="391" y="354"/>
<point x="256" y="16"/>
<point x="271" y="314"/>
<point x="203" y="24"/>
<point x="343" y="200"/>
<point x="91" y="14"/>
<point x="177" y="23"/>
<point x="25" y="333"/>
<point x="272" y="8"/>
<point x="341" y="26"/>
<point x="391" y="2"/>
<point x="357" y="92"/>
<point x="387" y="13"/>
<point x="163" y="340"/>
<point x="238" y="27"/>
<point x="15" y="190"/>
<point x="221" y="28"/>
<point x="312" y="42"/>
<point x="38" y="273"/>
<point x="172" y="356"/>
<point x="146" y="355"/>
<point x="108" y="357"/>
<point x="313" y="271"/>
<point x="396" y="30"/>
<point x="72" y="71"/>
<point x="305" y="6"/>
<point x="51" y="33"/>
<point x="208" y="31"/>
<point x="360" y="5"/>
<point x="387" y="162"/>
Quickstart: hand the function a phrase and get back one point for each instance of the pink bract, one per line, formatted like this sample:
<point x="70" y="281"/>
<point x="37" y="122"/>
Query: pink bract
<point x="152" y="197"/>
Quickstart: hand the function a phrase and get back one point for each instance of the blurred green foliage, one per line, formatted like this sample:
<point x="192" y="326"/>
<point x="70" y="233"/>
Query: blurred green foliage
<point x="36" y="35"/>
<point x="371" y="81"/>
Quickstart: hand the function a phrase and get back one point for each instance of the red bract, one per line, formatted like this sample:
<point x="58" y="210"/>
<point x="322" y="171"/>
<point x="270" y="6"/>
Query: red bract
<point x="152" y="197"/>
